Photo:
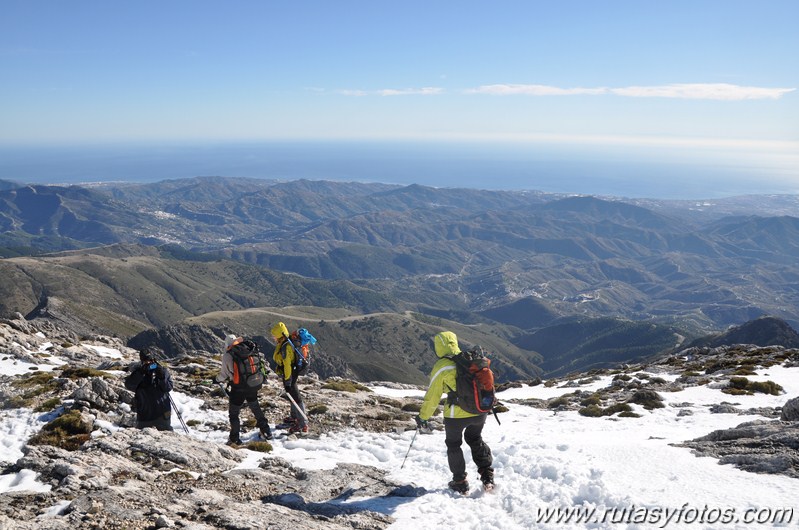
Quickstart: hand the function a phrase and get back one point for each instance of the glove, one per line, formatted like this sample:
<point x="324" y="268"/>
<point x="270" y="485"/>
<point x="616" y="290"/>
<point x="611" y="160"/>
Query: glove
<point x="287" y="385"/>
<point x="421" y="424"/>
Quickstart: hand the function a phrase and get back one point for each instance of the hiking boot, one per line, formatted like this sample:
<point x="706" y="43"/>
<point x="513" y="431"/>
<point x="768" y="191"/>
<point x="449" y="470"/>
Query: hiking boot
<point x="266" y="433"/>
<point x="487" y="477"/>
<point x="288" y="419"/>
<point x="296" y="428"/>
<point x="234" y="442"/>
<point x="459" y="486"/>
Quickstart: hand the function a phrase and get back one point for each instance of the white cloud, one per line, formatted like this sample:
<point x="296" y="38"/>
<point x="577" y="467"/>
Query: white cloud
<point x="535" y="90"/>
<point x="718" y="91"/>
<point x="424" y="91"/>
<point x="714" y="91"/>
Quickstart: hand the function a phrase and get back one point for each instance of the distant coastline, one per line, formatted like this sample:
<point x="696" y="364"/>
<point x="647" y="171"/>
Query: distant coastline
<point x="554" y="168"/>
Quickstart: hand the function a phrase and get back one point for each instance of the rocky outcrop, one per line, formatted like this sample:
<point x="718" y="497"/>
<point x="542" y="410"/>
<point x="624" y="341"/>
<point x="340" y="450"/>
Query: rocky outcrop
<point x="180" y="338"/>
<point x="763" y="331"/>
<point x="790" y="411"/>
<point x="136" y="479"/>
<point x="126" y="478"/>
<point x="759" y="446"/>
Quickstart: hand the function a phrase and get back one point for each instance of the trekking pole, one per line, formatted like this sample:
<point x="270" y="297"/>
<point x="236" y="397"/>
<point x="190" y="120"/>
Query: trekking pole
<point x="159" y="357"/>
<point x="494" y="412"/>
<point x="297" y="407"/>
<point x="409" y="447"/>
<point x="222" y="387"/>
<point x="183" y="423"/>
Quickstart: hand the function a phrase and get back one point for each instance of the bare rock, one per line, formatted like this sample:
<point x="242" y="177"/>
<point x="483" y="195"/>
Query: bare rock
<point x="790" y="411"/>
<point x="760" y="446"/>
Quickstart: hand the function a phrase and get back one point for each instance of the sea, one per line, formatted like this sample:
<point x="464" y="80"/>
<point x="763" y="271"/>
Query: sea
<point x="552" y="168"/>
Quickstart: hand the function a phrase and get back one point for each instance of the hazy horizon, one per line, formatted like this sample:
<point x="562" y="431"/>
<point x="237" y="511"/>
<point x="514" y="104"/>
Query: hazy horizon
<point x="550" y="167"/>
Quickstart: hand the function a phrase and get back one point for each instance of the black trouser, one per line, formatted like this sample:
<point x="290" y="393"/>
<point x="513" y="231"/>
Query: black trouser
<point x="162" y="423"/>
<point x="470" y="429"/>
<point x="294" y="392"/>
<point x="237" y="399"/>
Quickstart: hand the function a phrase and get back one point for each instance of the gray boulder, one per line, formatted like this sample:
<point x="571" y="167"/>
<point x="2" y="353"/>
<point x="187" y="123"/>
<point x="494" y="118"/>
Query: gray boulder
<point x="790" y="411"/>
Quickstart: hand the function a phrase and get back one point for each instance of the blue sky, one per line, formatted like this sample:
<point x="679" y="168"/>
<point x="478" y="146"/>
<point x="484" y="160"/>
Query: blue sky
<point x="694" y="79"/>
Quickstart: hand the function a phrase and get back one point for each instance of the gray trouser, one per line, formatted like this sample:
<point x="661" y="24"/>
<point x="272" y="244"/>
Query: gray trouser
<point x="237" y="399"/>
<point x="469" y="429"/>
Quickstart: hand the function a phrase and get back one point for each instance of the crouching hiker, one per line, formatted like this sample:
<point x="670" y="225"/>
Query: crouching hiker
<point x="459" y="425"/>
<point x="152" y="383"/>
<point x="243" y="368"/>
<point x="286" y="358"/>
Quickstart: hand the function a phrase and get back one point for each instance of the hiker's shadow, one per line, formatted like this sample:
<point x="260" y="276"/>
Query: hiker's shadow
<point x="351" y="501"/>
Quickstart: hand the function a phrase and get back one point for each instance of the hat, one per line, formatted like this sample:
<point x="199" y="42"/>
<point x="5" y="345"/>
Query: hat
<point x="446" y="343"/>
<point x="230" y="340"/>
<point x="280" y="330"/>
<point x="145" y="355"/>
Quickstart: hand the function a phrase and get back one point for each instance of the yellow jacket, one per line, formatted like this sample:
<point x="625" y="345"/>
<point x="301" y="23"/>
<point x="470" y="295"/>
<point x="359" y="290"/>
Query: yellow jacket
<point x="443" y="378"/>
<point x="284" y="357"/>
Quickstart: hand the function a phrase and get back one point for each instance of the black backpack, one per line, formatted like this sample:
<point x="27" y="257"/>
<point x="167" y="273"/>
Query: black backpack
<point x="474" y="390"/>
<point x="249" y="370"/>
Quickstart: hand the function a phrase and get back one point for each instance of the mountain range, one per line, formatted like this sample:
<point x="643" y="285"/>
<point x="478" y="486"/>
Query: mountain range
<point x="552" y="283"/>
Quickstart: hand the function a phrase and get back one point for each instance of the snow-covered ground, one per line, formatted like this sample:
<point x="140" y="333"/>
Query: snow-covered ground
<point x="553" y="470"/>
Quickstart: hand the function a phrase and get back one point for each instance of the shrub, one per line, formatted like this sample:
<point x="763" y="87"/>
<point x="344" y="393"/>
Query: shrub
<point x="414" y="406"/>
<point x="561" y="401"/>
<point x="736" y="391"/>
<point x="741" y="386"/>
<point x="766" y="387"/>
<point x="592" y="411"/>
<point x="263" y="447"/>
<point x="649" y="399"/>
<point x="67" y="431"/>
<point x="48" y="405"/>
<point x="45" y="379"/>
<point x="345" y="386"/>
<point x="618" y="407"/>
<point x="317" y="409"/>
<point x="15" y="402"/>
<point x="82" y="373"/>
<point x="593" y="399"/>
<point x="595" y="411"/>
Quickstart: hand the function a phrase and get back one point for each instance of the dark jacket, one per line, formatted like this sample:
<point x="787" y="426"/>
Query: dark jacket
<point x="152" y="391"/>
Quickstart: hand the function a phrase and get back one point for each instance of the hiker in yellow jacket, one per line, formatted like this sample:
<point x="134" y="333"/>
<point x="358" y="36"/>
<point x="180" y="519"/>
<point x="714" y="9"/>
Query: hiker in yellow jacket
<point x="285" y="358"/>
<point x="459" y="425"/>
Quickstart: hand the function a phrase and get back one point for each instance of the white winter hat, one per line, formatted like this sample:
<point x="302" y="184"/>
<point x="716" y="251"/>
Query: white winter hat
<point x="229" y="341"/>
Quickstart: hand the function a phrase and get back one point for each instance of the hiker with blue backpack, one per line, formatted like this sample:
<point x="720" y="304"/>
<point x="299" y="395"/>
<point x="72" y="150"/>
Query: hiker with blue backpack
<point x="245" y="372"/>
<point x="459" y="424"/>
<point x="291" y="358"/>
